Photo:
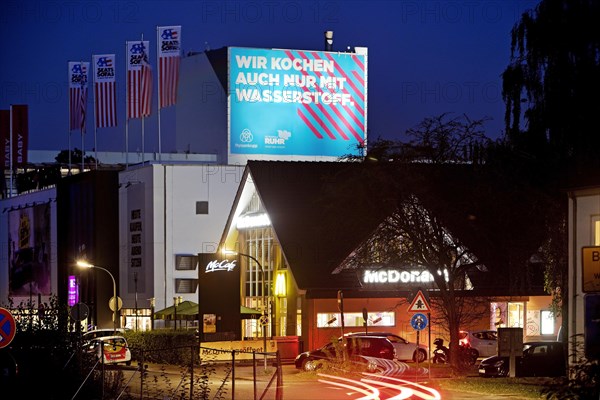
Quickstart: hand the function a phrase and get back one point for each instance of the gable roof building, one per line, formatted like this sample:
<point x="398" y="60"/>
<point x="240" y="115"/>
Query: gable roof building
<point x="314" y="215"/>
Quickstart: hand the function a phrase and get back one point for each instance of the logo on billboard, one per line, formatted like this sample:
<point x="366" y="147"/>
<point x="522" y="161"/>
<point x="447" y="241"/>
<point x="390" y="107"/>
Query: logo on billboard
<point x="280" y="139"/>
<point x="246" y="136"/>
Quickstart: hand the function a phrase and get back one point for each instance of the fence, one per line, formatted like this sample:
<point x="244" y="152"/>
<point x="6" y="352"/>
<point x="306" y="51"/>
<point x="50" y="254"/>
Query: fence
<point x="219" y="374"/>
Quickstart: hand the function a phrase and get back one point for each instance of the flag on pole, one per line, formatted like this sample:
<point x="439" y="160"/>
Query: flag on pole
<point x="139" y="80"/>
<point x="105" y="93"/>
<point x="78" y="87"/>
<point x="169" y="56"/>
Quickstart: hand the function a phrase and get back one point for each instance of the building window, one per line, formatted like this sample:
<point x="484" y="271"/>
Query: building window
<point x="201" y="207"/>
<point x="186" y="285"/>
<point x="515" y="315"/>
<point x="334" y="320"/>
<point x="547" y="322"/>
<point x="186" y="262"/>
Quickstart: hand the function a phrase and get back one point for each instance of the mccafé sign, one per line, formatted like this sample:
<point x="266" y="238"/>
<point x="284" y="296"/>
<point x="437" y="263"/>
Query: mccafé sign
<point x="395" y="276"/>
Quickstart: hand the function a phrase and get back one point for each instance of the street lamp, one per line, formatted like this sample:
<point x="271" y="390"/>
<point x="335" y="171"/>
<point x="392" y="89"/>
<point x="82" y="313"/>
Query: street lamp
<point x="264" y="304"/>
<point x="85" y="264"/>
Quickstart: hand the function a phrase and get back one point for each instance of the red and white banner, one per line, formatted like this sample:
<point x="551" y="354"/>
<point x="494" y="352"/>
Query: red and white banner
<point x="78" y="87"/>
<point x="5" y="139"/>
<point x="105" y="92"/>
<point x="19" y="122"/>
<point x="169" y="56"/>
<point x="17" y="118"/>
<point x="139" y="80"/>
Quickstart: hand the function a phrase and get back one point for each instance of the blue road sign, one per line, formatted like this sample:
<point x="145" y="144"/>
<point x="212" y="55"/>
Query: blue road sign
<point x="419" y="321"/>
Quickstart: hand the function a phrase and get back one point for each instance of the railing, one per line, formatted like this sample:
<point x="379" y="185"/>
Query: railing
<point x="206" y="378"/>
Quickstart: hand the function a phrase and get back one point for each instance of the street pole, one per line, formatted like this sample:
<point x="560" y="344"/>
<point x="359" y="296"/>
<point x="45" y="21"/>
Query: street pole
<point x="85" y="264"/>
<point x="264" y="305"/>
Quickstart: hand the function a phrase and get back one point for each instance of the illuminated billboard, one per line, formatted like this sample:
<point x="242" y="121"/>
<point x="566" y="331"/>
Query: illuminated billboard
<point x="296" y="102"/>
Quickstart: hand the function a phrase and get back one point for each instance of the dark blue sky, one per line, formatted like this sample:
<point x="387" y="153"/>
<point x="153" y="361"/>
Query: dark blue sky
<point x="425" y="57"/>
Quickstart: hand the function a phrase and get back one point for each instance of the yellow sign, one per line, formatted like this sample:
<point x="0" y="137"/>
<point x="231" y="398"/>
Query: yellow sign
<point x="591" y="269"/>
<point x="221" y="351"/>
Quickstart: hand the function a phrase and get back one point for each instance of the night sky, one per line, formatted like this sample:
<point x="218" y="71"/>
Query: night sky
<point x="425" y="57"/>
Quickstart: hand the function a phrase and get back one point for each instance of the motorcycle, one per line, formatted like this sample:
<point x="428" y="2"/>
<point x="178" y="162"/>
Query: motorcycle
<point x="441" y="354"/>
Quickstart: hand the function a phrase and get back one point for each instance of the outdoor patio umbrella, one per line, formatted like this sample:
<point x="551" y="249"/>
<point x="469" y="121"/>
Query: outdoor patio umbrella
<point x="185" y="309"/>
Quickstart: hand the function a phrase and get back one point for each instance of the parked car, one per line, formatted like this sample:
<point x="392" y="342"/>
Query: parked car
<point x="96" y="333"/>
<point x="484" y="342"/>
<point x="9" y="369"/>
<point x="357" y="348"/>
<point x="539" y="359"/>
<point x="405" y="350"/>
<point x="113" y="348"/>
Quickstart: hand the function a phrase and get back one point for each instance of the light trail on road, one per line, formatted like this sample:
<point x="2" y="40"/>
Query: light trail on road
<point x="370" y="388"/>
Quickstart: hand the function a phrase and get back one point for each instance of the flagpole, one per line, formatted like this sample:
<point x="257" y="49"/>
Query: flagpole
<point x="159" y="91"/>
<point x="84" y="107"/>
<point x="69" y="124"/>
<point x="126" y="107"/>
<point x="94" y="95"/>
<point x="10" y="144"/>
<point x="142" y="111"/>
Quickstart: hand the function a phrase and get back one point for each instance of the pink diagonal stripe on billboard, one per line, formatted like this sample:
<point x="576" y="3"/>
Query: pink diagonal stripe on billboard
<point x="321" y="108"/>
<point x="348" y="80"/>
<point x="309" y="124"/>
<point x="346" y="108"/>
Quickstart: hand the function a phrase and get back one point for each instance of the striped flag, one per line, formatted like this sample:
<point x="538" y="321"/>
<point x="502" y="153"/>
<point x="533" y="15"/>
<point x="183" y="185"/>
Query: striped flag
<point x="169" y="56"/>
<point x="105" y="93"/>
<point x="139" y="80"/>
<point x="78" y="87"/>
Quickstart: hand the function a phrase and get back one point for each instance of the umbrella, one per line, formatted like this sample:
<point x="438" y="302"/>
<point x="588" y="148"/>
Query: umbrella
<point x="249" y="313"/>
<point x="189" y="310"/>
<point x="185" y="309"/>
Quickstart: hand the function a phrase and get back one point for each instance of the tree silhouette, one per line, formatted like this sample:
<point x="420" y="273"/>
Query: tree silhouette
<point x="552" y="83"/>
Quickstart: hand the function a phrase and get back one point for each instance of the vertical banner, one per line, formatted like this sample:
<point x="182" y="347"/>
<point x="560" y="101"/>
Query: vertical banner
<point x="29" y="251"/>
<point x="78" y="86"/>
<point x="139" y="80"/>
<point x="169" y="56"/>
<point x="105" y="100"/>
<point x="19" y="115"/>
<point x="5" y="139"/>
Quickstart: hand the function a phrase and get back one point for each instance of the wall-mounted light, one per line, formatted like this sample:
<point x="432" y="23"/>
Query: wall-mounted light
<point x="280" y="284"/>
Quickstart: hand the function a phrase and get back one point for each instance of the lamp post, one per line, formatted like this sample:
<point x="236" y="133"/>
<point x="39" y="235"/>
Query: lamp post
<point x="264" y="305"/>
<point x="85" y="264"/>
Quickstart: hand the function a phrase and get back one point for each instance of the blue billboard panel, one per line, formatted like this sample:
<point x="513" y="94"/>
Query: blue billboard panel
<point x="295" y="102"/>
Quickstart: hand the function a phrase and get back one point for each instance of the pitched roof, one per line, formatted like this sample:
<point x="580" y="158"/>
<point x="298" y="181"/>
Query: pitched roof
<point x="322" y="211"/>
<point x="296" y="196"/>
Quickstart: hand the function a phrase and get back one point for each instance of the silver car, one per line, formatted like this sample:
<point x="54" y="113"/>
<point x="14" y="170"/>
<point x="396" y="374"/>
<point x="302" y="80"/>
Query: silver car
<point x="484" y="342"/>
<point x="405" y="350"/>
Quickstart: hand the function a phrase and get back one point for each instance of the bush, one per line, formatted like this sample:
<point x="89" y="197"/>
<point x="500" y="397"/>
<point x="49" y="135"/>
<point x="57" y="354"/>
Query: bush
<point x="163" y="346"/>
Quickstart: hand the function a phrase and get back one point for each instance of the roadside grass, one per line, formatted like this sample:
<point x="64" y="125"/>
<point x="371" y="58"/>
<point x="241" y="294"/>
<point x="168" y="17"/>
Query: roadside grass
<point x="524" y="388"/>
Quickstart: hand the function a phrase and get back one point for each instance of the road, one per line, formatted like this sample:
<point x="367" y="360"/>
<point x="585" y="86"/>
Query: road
<point x="167" y="380"/>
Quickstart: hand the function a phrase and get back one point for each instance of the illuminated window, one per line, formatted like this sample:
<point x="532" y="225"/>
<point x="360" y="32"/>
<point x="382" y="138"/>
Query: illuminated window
<point x="515" y="315"/>
<point x="547" y="322"/>
<point x="334" y="320"/>
<point x="596" y="230"/>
